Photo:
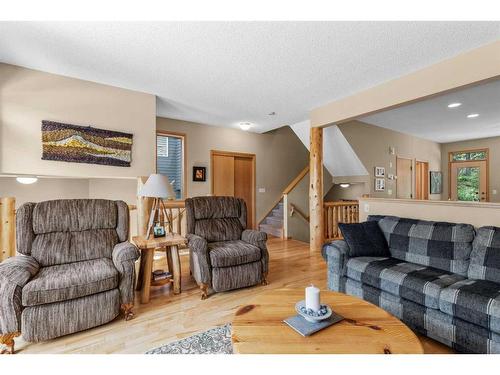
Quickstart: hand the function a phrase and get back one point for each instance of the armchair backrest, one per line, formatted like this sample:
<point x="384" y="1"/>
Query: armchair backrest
<point x="216" y="218"/>
<point x="71" y="230"/>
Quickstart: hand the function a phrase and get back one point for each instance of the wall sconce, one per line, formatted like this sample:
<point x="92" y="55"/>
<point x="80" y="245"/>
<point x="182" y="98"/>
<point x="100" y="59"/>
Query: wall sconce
<point x="26" y="180"/>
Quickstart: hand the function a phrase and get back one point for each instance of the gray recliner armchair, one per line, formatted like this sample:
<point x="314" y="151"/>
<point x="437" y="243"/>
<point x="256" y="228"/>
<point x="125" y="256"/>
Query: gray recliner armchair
<point x="76" y="269"/>
<point x="224" y="255"/>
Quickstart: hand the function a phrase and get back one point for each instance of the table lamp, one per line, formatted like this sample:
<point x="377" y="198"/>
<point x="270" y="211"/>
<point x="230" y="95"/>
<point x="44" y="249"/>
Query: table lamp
<point x="158" y="187"/>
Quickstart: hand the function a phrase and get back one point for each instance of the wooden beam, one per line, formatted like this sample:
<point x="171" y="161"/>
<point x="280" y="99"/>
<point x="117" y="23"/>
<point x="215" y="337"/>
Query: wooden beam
<point x="7" y="227"/>
<point x="144" y="205"/>
<point x="472" y="67"/>
<point x="316" y="224"/>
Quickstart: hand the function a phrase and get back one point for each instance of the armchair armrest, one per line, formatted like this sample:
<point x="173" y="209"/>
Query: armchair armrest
<point x="124" y="256"/>
<point x="15" y="273"/>
<point x="336" y="254"/>
<point x="199" y="259"/>
<point x="258" y="239"/>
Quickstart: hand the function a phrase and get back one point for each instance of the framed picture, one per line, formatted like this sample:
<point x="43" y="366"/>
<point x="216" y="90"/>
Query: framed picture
<point x="379" y="184"/>
<point x="379" y="171"/>
<point x="436" y="181"/>
<point x="199" y="174"/>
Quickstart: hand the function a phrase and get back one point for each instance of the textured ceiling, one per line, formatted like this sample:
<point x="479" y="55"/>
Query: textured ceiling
<point x="222" y="73"/>
<point x="432" y="119"/>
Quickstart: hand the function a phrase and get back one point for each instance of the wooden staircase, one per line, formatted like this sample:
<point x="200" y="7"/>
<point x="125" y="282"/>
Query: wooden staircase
<point x="273" y="222"/>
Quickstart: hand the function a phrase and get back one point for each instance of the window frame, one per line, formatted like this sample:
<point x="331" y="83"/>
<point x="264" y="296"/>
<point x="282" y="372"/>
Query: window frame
<point x="486" y="151"/>
<point x="182" y="137"/>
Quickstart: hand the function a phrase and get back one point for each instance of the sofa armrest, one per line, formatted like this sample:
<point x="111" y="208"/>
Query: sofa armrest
<point x="15" y="273"/>
<point x="200" y="260"/>
<point x="337" y="255"/>
<point x="259" y="239"/>
<point x="124" y="256"/>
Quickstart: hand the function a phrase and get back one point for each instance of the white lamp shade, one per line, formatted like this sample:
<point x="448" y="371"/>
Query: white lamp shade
<point x="157" y="186"/>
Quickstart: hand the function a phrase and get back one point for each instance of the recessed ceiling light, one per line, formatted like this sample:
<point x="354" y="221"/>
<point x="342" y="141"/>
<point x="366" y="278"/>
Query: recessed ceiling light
<point x="454" y="105"/>
<point x="245" y="125"/>
<point x="473" y="115"/>
<point x="345" y="185"/>
<point x="27" y="180"/>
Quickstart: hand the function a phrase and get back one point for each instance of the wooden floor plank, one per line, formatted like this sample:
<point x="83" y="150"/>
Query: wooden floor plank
<point x="169" y="317"/>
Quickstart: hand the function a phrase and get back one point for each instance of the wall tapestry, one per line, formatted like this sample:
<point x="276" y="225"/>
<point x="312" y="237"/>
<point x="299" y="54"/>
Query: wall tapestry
<point x="84" y="144"/>
<point x="436" y="181"/>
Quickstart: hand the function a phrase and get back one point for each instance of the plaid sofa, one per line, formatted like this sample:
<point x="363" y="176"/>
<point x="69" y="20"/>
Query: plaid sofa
<point x="442" y="279"/>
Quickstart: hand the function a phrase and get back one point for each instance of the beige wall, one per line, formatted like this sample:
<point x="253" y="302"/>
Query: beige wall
<point x="280" y="156"/>
<point x="371" y="144"/>
<point x="44" y="189"/>
<point x="477" y="214"/>
<point x="354" y="191"/>
<point x="28" y="96"/>
<point x="494" y="155"/>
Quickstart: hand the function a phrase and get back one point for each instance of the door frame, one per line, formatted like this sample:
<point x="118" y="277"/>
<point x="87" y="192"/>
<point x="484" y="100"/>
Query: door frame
<point x="412" y="183"/>
<point x="254" y="177"/>
<point x="450" y="162"/>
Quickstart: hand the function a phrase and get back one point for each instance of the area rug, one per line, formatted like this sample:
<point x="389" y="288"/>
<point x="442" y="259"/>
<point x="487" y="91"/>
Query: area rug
<point x="214" y="341"/>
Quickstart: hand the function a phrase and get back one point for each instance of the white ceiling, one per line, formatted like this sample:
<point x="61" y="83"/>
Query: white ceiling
<point x="222" y="73"/>
<point x="432" y="119"/>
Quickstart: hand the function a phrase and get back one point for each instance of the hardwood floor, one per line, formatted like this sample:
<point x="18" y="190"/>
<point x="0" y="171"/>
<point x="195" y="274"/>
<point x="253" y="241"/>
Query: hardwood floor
<point x="169" y="317"/>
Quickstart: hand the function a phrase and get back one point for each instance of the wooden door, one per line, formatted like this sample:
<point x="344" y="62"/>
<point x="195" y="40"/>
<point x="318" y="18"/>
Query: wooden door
<point x="469" y="181"/>
<point x="223" y="175"/>
<point x="421" y="180"/>
<point x="404" y="180"/>
<point x="233" y="174"/>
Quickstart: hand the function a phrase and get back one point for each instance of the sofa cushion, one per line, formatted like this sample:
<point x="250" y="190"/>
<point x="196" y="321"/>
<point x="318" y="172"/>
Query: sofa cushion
<point x="364" y="239"/>
<point x="475" y="301"/>
<point x="413" y="282"/>
<point x="446" y="246"/>
<point x="214" y="230"/>
<point x="54" y="248"/>
<point x="69" y="215"/>
<point x="71" y="280"/>
<point x="485" y="256"/>
<point x="232" y="253"/>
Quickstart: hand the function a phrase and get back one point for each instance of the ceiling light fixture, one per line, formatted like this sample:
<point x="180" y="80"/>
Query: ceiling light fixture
<point x="272" y="113"/>
<point x="454" y="105"/>
<point x="344" y="185"/>
<point x="245" y="125"/>
<point x="26" y="180"/>
<point x="473" y="115"/>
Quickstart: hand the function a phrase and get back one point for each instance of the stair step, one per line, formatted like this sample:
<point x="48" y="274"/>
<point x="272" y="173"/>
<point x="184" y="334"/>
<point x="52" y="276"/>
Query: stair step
<point x="274" y="220"/>
<point x="277" y="212"/>
<point x="271" y="229"/>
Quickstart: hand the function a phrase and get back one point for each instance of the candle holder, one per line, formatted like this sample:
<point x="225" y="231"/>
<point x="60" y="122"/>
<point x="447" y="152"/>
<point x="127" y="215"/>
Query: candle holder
<point x="312" y="316"/>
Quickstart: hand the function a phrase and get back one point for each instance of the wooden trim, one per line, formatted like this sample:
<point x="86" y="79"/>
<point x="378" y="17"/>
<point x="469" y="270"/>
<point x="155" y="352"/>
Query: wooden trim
<point x="254" y="175"/>
<point x="296" y="180"/>
<point x="183" y="137"/>
<point x="450" y="162"/>
<point x="425" y="183"/>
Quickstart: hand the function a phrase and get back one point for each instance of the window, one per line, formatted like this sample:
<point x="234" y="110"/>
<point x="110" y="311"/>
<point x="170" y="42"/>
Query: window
<point x="469" y="155"/>
<point x="170" y="160"/>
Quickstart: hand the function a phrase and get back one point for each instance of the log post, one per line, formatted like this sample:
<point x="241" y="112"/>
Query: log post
<point x="316" y="223"/>
<point x="144" y="205"/>
<point x="7" y="227"/>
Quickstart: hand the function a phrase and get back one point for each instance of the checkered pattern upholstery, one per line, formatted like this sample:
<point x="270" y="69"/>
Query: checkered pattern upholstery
<point x="411" y="281"/>
<point x="476" y="301"/>
<point x="485" y="256"/>
<point x="450" y="330"/>
<point x="445" y="246"/>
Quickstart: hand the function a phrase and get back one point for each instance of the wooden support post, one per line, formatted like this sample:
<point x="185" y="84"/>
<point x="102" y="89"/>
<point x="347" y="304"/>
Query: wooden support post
<point x="7" y="228"/>
<point x="144" y="205"/>
<point x="316" y="223"/>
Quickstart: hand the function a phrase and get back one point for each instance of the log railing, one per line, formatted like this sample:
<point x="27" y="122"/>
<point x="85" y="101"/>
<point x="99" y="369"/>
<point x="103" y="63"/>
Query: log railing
<point x="339" y="212"/>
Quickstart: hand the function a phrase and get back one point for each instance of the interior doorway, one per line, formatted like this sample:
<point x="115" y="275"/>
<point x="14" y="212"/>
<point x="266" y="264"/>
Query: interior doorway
<point x="404" y="182"/>
<point x="468" y="175"/>
<point x="233" y="174"/>
<point x="421" y="180"/>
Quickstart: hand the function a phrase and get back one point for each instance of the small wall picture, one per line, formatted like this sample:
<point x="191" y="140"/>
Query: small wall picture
<point x="436" y="181"/>
<point x="199" y="174"/>
<point x="379" y="171"/>
<point x="379" y="184"/>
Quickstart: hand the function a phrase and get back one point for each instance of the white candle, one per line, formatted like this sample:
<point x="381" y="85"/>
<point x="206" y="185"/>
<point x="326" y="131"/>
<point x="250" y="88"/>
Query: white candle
<point x="312" y="298"/>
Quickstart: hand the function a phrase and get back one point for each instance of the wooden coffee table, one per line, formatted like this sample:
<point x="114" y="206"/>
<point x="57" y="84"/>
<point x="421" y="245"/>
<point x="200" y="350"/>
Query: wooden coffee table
<point x="258" y="327"/>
